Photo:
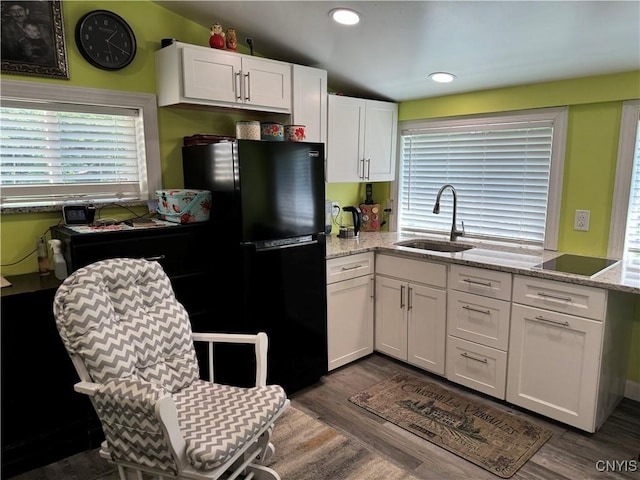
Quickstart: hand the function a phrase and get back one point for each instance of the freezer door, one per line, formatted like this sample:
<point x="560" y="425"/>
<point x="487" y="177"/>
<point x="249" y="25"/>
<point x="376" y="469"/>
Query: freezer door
<point x="281" y="187"/>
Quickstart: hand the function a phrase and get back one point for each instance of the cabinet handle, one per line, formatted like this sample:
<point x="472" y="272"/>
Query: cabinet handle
<point x="467" y="307"/>
<point x="542" y="319"/>
<point x="373" y="287"/>
<point x="361" y="175"/>
<point x="344" y="269"/>
<point x="409" y="306"/>
<point x="481" y="360"/>
<point x="401" y="297"/>
<point x="554" y="297"/>
<point x="237" y="85"/>
<point x="368" y="168"/>
<point x="157" y="258"/>
<point x="475" y="282"/>
<point x="247" y="84"/>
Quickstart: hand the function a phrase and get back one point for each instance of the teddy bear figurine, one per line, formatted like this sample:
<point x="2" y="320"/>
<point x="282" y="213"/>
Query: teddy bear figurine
<point x="216" y="40"/>
<point x="232" y="42"/>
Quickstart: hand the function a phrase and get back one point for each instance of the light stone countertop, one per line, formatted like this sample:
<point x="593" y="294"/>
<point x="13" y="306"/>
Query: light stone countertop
<point x="622" y="276"/>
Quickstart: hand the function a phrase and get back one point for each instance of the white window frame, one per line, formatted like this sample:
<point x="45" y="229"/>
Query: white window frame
<point x="559" y="117"/>
<point x="144" y="102"/>
<point x="622" y="185"/>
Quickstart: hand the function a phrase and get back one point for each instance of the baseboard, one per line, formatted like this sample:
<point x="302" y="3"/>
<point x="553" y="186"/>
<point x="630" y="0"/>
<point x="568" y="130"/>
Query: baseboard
<point x="632" y="390"/>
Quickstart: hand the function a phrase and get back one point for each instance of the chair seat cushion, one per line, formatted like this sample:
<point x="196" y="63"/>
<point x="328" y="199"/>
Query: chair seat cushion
<point x="217" y="420"/>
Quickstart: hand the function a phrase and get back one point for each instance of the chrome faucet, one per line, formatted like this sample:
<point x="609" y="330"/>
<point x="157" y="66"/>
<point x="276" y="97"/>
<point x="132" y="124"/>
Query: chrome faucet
<point x="455" y="233"/>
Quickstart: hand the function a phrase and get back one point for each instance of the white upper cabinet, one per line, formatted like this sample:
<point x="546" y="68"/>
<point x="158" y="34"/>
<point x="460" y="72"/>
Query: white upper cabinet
<point x="310" y="102"/>
<point x="362" y="137"/>
<point x="190" y="74"/>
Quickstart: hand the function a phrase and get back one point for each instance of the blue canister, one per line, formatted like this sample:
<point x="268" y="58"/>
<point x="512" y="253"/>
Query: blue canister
<point x="272" y="131"/>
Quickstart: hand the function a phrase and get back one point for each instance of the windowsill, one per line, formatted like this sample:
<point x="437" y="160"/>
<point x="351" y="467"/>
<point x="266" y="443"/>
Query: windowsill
<point x="7" y="210"/>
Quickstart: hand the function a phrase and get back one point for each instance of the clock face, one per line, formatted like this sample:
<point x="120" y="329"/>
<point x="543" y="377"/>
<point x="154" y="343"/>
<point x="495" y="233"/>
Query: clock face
<point x="105" y="40"/>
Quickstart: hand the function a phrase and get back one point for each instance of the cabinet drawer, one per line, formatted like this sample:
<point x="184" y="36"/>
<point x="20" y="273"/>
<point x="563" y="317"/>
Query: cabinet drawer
<point x="480" y="281"/>
<point x="482" y="368"/>
<point x="479" y="319"/>
<point x="561" y="297"/>
<point x="351" y="266"/>
<point x="428" y="273"/>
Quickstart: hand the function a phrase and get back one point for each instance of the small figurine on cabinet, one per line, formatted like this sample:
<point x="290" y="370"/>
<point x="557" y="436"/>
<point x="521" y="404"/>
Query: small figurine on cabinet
<point x="216" y="40"/>
<point x="232" y="42"/>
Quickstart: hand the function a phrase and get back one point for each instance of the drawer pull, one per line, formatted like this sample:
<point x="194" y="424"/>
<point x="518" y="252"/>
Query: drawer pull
<point x="157" y="258"/>
<point x="346" y="269"/>
<point x="542" y="319"/>
<point x="481" y="360"/>
<point x="467" y="307"/>
<point x="475" y="282"/>
<point x="554" y="297"/>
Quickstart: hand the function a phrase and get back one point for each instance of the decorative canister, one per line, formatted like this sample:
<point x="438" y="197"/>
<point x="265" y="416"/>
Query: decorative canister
<point x="294" y="133"/>
<point x="184" y="206"/>
<point x="272" y="131"/>
<point x="249" y="130"/>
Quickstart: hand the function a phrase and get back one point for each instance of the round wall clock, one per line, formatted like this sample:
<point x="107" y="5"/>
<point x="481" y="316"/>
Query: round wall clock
<point x="105" y="40"/>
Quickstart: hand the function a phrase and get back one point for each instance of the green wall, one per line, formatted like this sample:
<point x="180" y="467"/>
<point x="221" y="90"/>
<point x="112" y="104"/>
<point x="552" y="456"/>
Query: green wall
<point x="594" y="117"/>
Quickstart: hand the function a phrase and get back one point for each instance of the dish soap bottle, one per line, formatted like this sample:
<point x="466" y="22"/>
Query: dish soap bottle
<point x="60" y="266"/>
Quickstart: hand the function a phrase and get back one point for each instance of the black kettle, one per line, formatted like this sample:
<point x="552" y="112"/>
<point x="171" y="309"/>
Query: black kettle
<point x="357" y="221"/>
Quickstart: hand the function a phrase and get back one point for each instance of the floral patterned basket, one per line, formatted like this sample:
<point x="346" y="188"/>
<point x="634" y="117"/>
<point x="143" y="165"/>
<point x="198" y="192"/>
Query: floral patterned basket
<point x="184" y="206"/>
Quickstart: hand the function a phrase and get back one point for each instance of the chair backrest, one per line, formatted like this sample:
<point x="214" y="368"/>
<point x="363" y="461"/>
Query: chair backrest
<point x="121" y="318"/>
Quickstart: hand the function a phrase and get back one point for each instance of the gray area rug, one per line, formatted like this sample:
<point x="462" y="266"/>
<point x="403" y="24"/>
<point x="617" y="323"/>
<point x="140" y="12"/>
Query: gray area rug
<point x="306" y="449"/>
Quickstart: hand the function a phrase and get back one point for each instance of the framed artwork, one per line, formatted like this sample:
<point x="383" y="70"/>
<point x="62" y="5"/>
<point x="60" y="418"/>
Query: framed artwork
<point x="33" y="41"/>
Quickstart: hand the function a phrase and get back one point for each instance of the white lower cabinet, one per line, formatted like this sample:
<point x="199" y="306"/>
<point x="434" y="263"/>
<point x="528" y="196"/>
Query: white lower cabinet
<point x="568" y="367"/>
<point x="410" y="311"/>
<point x="349" y="308"/>
<point x="478" y="315"/>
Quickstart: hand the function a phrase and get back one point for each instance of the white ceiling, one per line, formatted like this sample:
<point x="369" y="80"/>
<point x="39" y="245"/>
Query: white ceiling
<point x="486" y="44"/>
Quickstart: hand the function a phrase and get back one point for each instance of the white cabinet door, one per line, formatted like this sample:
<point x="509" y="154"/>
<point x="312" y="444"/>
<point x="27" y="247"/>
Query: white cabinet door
<point x="211" y="76"/>
<point x="349" y="320"/>
<point x="380" y="141"/>
<point x="310" y="102"/>
<point x="427" y="327"/>
<point x="554" y="363"/>
<point x="361" y="140"/>
<point x="390" y="317"/>
<point x="266" y="83"/>
<point x="195" y="75"/>
<point x="345" y="142"/>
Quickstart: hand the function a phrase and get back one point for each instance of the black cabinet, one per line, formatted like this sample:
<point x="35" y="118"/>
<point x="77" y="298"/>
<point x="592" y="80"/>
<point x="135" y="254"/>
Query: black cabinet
<point x="43" y="419"/>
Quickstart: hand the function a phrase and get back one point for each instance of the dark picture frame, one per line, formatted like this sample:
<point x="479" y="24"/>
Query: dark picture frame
<point x="33" y="40"/>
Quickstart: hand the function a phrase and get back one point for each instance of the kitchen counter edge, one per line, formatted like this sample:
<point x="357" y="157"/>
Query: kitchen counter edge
<point x="623" y="276"/>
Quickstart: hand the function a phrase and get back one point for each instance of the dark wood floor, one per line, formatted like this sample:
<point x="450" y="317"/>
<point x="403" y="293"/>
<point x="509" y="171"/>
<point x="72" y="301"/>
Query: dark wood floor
<point x="570" y="454"/>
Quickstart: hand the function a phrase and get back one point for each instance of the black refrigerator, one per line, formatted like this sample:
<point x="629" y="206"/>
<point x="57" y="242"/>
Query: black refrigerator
<point x="267" y="254"/>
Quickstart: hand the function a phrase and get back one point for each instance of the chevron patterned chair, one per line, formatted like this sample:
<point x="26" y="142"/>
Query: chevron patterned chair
<point x="132" y="345"/>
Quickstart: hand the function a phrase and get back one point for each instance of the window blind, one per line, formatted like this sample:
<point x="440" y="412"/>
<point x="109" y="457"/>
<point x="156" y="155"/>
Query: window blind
<point x="501" y="174"/>
<point x="632" y="237"/>
<point x="55" y="152"/>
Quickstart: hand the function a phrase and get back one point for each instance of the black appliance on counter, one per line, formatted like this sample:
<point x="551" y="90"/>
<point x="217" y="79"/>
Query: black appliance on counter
<point x="267" y="251"/>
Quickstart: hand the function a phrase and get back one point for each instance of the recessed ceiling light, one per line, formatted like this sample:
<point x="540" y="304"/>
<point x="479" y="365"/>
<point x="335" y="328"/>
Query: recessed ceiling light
<point x="442" y="77"/>
<point x="345" y="16"/>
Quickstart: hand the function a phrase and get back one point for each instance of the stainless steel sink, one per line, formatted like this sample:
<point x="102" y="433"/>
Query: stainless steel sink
<point x="433" y="246"/>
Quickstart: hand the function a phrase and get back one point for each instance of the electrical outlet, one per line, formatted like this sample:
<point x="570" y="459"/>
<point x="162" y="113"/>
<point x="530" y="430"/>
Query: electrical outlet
<point x="581" y="220"/>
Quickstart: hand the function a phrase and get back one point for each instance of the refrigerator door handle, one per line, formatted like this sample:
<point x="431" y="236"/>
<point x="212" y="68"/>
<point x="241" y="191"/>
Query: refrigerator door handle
<point x="264" y="248"/>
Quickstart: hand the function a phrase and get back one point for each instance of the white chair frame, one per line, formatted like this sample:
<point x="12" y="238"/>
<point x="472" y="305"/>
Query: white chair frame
<point x="258" y="449"/>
